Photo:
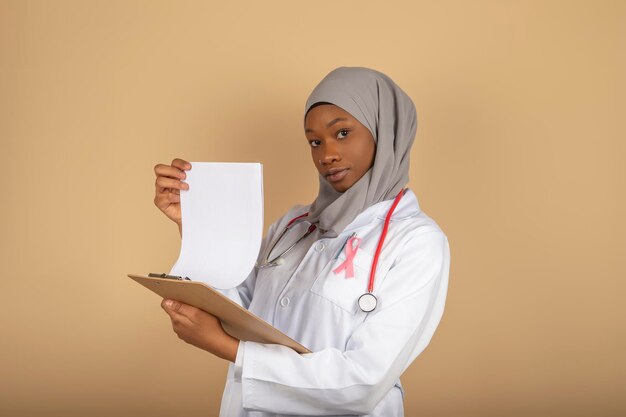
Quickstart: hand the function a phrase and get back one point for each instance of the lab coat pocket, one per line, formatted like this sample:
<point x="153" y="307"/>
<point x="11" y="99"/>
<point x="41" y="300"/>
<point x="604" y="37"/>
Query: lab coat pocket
<point x="338" y="287"/>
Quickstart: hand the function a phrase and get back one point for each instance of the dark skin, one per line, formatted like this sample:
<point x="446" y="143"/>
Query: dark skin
<point x="342" y="150"/>
<point x="201" y="329"/>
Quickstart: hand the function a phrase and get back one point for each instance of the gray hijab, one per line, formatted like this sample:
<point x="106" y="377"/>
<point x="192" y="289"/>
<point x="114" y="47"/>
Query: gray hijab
<point x="379" y="104"/>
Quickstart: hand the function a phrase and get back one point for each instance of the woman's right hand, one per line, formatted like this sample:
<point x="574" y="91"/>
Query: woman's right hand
<point x="167" y="188"/>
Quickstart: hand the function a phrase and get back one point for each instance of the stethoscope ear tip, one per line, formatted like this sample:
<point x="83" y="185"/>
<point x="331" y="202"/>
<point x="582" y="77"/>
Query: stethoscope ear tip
<point x="279" y="261"/>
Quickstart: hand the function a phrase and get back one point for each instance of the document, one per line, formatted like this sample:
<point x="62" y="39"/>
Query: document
<point x="222" y="226"/>
<point x="222" y="223"/>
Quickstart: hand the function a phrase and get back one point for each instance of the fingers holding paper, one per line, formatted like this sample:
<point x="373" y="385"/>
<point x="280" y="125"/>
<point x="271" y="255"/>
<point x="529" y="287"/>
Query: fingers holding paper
<point x="201" y="329"/>
<point x="169" y="181"/>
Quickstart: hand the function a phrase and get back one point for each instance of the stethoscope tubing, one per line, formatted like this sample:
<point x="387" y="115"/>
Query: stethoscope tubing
<point x="381" y="240"/>
<point x="274" y="262"/>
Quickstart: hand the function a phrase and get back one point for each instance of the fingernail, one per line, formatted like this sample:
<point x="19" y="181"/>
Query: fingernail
<point x="168" y="303"/>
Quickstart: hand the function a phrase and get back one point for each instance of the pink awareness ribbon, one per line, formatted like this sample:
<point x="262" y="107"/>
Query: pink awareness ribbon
<point x="348" y="265"/>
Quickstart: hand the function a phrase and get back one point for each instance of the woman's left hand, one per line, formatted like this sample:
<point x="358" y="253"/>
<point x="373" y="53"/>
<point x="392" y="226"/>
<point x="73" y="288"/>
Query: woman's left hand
<point x="201" y="329"/>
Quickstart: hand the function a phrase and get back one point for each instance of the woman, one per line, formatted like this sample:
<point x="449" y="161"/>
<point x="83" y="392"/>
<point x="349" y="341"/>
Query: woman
<point x="360" y="126"/>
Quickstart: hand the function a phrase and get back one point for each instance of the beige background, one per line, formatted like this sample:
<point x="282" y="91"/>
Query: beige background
<point x="519" y="158"/>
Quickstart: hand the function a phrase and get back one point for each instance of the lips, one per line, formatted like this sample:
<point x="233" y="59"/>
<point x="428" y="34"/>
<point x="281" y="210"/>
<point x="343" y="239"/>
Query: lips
<point x="336" y="174"/>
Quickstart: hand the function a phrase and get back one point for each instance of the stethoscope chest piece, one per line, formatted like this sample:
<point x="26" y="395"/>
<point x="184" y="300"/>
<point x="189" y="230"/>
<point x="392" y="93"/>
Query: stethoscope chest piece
<point x="367" y="302"/>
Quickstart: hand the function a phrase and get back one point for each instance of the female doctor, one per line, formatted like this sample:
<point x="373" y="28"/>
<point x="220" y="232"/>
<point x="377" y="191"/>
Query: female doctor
<point x="359" y="276"/>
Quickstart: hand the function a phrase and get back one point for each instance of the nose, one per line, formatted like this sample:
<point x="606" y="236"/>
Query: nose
<point x="330" y="153"/>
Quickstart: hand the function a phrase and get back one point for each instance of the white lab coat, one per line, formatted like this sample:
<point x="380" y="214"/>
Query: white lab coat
<point x="357" y="357"/>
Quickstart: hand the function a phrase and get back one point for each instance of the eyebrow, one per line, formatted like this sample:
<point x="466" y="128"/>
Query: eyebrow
<point x="332" y="122"/>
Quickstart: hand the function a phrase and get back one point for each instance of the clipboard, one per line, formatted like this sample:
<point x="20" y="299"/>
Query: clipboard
<point x="236" y="320"/>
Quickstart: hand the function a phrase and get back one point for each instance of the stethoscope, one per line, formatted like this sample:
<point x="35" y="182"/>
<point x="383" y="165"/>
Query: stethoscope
<point x="279" y="259"/>
<point x="368" y="301"/>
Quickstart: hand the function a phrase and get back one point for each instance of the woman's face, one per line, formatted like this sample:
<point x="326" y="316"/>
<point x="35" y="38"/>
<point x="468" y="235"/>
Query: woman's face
<point x="342" y="148"/>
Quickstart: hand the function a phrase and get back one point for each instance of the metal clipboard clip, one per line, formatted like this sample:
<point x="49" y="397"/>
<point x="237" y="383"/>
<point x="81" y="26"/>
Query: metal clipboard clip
<point x="155" y="275"/>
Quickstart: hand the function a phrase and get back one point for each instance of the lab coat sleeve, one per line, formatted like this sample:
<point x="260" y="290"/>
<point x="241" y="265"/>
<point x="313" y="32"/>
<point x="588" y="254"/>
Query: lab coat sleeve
<point x="279" y="380"/>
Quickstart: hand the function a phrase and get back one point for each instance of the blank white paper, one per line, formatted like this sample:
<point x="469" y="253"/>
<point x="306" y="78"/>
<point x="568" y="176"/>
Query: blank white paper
<point x="222" y="223"/>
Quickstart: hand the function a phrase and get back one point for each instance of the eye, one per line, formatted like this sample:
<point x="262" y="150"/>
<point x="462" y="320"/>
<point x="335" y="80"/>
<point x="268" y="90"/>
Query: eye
<point x="314" y="143"/>
<point x="342" y="133"/>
